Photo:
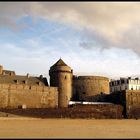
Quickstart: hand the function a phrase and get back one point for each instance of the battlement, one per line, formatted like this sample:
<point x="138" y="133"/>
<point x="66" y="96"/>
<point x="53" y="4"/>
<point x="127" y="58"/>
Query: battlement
<point x="14" y="96"/>
<point x="90" y="78"/>
<point x="27" y="87"/>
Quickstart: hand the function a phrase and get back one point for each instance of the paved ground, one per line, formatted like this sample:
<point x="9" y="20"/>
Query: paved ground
<point x="68" y="128"/>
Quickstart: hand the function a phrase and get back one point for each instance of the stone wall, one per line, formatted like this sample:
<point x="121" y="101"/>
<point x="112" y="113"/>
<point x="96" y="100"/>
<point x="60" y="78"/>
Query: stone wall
<point x="15" y="96"/>
<point x="61" y="77"/>
<point x="133" y="103"/>
<point x="129" y="99"/>
<point x="84" y="86"/>
<point x="97" y="111"/>
<point x="132" y="97"/>
<point x="119" y="98"/>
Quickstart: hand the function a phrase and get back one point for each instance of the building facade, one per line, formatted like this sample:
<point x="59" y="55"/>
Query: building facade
<point x="124" y="84"/>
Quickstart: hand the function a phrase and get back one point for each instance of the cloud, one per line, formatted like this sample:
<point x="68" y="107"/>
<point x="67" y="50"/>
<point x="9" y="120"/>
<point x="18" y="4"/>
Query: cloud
<point x="114" y="22"/>
<point x="112" y="62"/>
<point x="107" y="18"/>
<point x="33" y="59"/>
<point x="108" y="36"/>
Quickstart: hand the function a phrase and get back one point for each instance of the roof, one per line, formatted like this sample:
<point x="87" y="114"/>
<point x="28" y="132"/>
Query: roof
<point x="8" y="72"/>
<point x="60" y="62"/>
<point x="6" y="79"/>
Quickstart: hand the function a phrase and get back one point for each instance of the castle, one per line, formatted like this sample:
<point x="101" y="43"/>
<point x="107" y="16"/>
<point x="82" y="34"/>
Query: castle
<point x="18" y="91"/>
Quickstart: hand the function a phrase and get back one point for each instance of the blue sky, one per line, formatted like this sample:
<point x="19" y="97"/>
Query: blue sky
<point x="92" y="38"/>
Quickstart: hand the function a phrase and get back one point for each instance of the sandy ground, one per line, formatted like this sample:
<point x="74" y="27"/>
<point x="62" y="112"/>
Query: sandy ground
<point x="68" y="128"/>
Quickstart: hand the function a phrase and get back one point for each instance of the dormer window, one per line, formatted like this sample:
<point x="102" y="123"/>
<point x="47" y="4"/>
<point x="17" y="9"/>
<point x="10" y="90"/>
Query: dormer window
<point x="39" y="83"/>
<point x="16" y="81"/>
<point x="25" y="81"/>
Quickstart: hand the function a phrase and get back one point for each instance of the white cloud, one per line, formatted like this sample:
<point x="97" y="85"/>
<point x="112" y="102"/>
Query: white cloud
<point x="111" y="21"/>
<point x="108" y="18"/>
<point x="110" y="37"/>
<point x="108" y="62"/>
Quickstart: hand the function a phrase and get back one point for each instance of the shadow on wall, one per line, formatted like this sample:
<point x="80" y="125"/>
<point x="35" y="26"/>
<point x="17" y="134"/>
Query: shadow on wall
<point x="102" y="97"/>
<point x="78" y="111"/>
<point x="118" y="98"/>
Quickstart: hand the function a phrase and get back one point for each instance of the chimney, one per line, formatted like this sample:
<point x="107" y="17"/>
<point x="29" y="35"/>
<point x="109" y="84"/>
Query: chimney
<point x="41" y="76"/>
<point x="27" y="75"/>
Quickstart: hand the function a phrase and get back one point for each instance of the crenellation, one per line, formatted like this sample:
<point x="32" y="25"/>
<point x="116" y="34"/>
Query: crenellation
<point x="23" y="94"/>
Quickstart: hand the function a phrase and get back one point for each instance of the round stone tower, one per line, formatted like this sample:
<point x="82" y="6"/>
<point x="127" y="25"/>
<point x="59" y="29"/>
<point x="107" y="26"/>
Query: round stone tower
<point x="61" y="77"/>
<point x="1" y="69"/>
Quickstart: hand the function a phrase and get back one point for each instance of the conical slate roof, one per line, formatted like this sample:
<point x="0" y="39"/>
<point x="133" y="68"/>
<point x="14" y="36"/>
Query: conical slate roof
<point x="60" y="62"/>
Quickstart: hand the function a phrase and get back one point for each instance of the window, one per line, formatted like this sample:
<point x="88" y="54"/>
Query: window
<point x="127" y="81"/>
<point x="16" y="81"/>
<point x="112" y="83"/>
<point x="102" y="93"/>
<point x="125" y="87"/>
<point x="38" y="83"/>
<point x="122" y="81"/>
<point x="25" y="81"/>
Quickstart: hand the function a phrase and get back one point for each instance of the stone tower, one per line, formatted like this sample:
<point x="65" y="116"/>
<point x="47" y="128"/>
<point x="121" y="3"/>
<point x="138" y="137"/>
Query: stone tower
<point x="61" y="77"/>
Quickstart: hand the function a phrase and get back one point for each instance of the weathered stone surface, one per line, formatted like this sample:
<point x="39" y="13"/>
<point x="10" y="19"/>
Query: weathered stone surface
<point x="78" y="111"/>
<point x="61" y="77"/>
<point x="12" y="96"/>
<point x="86" y="86"/>
<point x="129" y="99"/>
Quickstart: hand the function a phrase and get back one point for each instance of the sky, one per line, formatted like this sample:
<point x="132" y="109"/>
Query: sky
<point x="93" y="38"/>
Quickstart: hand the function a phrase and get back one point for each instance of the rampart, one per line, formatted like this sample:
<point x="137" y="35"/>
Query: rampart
<point x="132" y="98"/>
<point x="84" y="86"/>
<point x="129" y="99"/>
<point x="133" y="103"/>
<point x="19" y="95"/>
<point x="96" y="111"/>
